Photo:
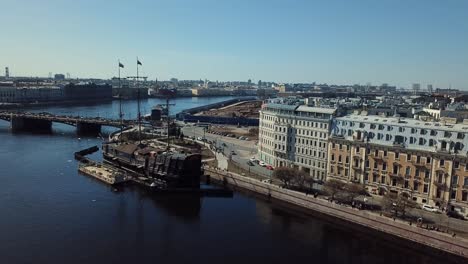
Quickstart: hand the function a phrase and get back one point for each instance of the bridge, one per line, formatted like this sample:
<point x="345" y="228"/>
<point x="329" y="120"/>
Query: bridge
<point x="42" y="122"/>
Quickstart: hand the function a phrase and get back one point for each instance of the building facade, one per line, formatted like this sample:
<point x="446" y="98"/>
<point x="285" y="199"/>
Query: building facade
<point x="295" y="135"/>
<point x="426" y="161"/>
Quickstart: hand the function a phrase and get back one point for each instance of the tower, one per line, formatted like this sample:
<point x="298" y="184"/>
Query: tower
<point x="7" y="72"/>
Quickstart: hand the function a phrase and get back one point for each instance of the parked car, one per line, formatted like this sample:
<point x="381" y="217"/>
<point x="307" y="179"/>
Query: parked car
<point x="261" y="163"/>
<point x="233" y="153"/>
<point x="252" y="159"/>
<point x="250" y="163"/>
<point x="430" y="208"/>
<point x="455" y="214"/>
<point x="266" y="181"/>
<point x="199" y="138"/>
<point x="269" y="167"/>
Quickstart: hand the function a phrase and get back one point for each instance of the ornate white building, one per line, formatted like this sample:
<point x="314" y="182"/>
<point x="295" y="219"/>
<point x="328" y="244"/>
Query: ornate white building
<point x="294" y="134"/>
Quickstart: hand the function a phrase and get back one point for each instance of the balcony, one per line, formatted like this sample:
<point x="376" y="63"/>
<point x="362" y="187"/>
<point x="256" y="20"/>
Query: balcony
<point x="355" y="180"/>
<point x="396" y="176"/>
<point x="420" y="164"/>
<point x="440" y="184"/>
<point x="399" y="144"/>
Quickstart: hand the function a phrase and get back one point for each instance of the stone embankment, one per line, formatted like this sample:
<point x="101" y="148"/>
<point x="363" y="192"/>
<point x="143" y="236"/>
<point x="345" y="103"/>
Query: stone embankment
<point x="441" y="241"/>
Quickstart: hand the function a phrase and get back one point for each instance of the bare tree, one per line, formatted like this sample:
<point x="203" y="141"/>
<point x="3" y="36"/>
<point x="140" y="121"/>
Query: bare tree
<point x="398" y="203"/>
<point x="354" y="190"/>
<point x="333" y="187"/>
<point x="285" y="175"/>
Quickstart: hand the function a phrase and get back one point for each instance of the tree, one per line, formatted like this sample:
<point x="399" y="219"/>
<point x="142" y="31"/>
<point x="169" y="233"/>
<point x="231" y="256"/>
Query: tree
<point x="309" y="181"/>
<point x="354" y="190"/>
<point x="300" y="178"/>
<point x="332" y="187"/>
<point x="284" y="174"/>
<point x="397" y="203"/>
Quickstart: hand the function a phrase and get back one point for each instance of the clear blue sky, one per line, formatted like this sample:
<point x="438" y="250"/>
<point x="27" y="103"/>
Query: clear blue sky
<point x="342" y="42"/>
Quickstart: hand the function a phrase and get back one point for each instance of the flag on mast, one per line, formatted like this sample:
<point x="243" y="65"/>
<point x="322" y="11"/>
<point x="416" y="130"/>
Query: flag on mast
<point x="121" y="65"/>
<point x="139" y="63"/>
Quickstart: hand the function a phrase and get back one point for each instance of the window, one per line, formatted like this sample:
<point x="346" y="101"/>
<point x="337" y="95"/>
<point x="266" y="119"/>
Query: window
<point x="423" y="132"/>
<point x="408" y="157"/>
<point x="397" y="155"/>
<point x="357" y="149"/>
<point x="408" y="171"/>
<point x="428" y="160"/>
<point x="384" y="166"/>
<point x="431" y="142"/>
<point x="422" y="141"/>
<point x="433" y="133"/>
<point x="385" y="153"/>
<point x="333" y="157"/>
<point x="426" y="188"/>
<point x="460" y="135"/>
<point x="456" y="164"/>
<point x="442" y="163"/>
<point x="465" y="196"/>
<point x="453" y="194"/>
<point x="447" y="134"/>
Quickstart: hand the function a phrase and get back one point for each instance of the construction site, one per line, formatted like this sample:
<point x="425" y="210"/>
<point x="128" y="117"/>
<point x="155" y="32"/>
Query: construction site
<point x="247" y="109"/>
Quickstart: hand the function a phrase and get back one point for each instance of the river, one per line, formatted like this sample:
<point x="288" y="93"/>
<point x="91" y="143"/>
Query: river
<point x="51" y="214"/>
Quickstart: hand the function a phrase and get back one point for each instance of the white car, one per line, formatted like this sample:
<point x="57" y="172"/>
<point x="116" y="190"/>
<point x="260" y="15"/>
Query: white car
<point x="199" y="138"/>
<point x="430" y="208"/>
<point x="266" y="181"/>
<point x="261" y="163"/>
<point x="252" y="159"/>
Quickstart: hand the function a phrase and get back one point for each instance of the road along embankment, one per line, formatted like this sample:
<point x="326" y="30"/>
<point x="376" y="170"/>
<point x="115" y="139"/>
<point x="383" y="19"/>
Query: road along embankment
<point x="440" y="241"/>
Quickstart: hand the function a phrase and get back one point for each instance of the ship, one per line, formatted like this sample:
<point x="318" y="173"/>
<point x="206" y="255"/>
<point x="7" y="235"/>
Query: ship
<point x="155" y="167"/>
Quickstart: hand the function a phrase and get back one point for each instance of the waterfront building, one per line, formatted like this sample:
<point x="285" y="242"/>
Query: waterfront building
<point x="295" y="134"/>
<point x="427" y="161"/>
<point x="210" y="92"/>
<point x="9" y="93"/>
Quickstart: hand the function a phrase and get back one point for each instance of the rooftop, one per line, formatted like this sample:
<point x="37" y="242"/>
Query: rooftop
<point x="405" y="122"/>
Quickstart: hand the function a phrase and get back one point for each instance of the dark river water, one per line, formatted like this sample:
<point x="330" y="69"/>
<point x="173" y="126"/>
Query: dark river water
<point x="51" y="214"/>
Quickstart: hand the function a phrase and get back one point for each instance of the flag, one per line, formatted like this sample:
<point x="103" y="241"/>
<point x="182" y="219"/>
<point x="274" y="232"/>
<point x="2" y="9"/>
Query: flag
<point x="121" y="65"/>
<point x="138" y="62"/>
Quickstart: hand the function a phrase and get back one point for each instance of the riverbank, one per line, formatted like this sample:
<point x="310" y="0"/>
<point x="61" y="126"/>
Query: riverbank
<point x="440" y="241"/>
<point x="22" y="106"/>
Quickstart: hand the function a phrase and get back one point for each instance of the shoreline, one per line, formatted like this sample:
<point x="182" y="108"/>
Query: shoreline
<point x="442" y="242"/>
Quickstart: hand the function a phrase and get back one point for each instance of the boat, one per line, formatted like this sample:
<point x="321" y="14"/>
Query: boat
<point x="155" y="167"/>
<point x="105" y="174"/>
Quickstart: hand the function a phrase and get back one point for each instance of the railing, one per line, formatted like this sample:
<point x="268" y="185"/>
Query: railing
<point x="440" y="184"/>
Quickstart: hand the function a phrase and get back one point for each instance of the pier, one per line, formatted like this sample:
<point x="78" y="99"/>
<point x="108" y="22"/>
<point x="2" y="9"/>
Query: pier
<point x="42" y="122"/>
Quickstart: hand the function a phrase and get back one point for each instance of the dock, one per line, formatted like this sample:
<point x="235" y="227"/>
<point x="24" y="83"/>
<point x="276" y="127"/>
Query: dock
<point x="104" y="173"/>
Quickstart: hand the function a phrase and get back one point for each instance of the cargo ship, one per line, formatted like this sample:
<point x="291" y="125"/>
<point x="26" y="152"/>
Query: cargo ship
<point x="155" y="167"/>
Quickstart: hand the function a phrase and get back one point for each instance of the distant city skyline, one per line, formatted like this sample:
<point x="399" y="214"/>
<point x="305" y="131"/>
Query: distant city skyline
<point x="334" y="42"/>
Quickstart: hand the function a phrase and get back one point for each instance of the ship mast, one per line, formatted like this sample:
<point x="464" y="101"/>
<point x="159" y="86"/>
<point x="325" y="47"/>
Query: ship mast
<point x="138" y="103"/>
<point x="120" y="101"/>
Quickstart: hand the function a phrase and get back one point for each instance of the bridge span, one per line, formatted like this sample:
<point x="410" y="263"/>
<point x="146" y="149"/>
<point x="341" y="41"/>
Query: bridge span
<point x="42" y="122"/>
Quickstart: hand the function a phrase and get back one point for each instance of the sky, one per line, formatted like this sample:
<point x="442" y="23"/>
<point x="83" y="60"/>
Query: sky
<point x="329" y="41"/>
